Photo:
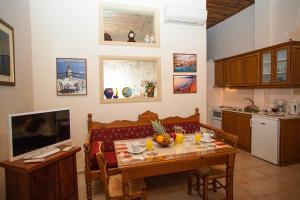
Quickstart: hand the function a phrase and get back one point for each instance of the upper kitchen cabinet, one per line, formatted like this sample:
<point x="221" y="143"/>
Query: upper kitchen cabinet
<point x="236" y="71"/>
<point x="251" y="68"/>
<point x="128" y="25"/>
<point x="221" y="73"/>
<point x="271" y="67"/>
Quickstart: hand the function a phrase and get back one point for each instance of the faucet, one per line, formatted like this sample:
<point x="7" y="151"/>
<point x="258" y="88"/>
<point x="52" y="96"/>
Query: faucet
<point x="252" y="102"/>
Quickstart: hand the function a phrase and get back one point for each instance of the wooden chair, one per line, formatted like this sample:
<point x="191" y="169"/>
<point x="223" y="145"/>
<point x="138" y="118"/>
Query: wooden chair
<point x="210" y="175"/>
<point x="112" y="183"/>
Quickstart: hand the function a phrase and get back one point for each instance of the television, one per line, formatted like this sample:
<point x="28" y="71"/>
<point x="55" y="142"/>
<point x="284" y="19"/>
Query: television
<point x="37" y="132"/>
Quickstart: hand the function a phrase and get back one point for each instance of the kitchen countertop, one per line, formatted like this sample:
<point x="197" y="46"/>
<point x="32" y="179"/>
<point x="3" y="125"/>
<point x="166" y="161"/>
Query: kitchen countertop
<point x="264" y="114"/>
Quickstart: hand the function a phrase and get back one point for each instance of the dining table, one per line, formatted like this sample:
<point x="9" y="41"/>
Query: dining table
<point x="135" y="161"/>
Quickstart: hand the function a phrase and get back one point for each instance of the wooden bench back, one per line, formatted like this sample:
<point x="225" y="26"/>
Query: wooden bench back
<point x="143" y="119"/>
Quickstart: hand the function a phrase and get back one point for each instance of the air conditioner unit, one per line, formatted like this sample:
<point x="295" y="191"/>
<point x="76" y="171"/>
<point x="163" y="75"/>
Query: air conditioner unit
<point x="185" y="15"/>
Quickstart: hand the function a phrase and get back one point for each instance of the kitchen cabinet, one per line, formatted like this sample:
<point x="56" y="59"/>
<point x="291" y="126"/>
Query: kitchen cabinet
<point x="238" y="124"/>
<point x="289" y="141"/>
<point x="251" y="68"/>
<point x="277" y="66"/>
<point x="236" y="71"/>
<point x="221" y="73"/>
<point x="53" y="179"/>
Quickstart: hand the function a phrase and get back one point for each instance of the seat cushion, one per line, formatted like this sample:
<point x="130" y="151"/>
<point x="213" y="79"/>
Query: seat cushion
<point x="216" y="171"/>
<point x="115" y="186"/>
<point x="111" y="159"/>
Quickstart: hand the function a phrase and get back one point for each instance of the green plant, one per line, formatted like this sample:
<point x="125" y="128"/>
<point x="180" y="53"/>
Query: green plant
<point x="148" y="84"/>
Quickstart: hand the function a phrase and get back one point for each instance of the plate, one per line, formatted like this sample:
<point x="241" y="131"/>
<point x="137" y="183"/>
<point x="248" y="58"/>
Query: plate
<point x="208" y="141"/>
<point x="136" y="149"/>
<point x="127" y="92"/>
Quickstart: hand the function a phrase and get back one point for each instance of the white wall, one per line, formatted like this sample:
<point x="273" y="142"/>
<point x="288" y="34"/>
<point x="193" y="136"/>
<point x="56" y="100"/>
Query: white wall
<point x="69" y="28"/>
<point x="233" y="36"/>
<point x="19" y="98"/>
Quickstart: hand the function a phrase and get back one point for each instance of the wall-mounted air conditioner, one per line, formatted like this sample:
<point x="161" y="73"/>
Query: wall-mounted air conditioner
<point x="185" y="15"/>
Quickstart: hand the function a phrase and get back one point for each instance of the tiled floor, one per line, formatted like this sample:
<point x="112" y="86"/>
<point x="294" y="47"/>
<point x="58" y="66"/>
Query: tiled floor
<point x="253" y="179"/>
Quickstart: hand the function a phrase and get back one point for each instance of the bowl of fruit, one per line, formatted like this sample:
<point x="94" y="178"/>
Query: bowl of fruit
<point x="161" y="136"/>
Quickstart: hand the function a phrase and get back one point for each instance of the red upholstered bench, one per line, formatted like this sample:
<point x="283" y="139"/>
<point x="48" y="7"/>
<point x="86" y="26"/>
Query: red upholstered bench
<point x="107" y="133"/>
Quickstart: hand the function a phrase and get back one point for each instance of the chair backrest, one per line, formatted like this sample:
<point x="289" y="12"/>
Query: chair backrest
<point x="220" y="134"/>
<point x="103" y="170"/>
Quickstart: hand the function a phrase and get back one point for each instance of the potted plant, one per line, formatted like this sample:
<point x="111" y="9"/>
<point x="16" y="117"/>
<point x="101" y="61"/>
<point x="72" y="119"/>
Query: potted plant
<point x="149" y="87"/>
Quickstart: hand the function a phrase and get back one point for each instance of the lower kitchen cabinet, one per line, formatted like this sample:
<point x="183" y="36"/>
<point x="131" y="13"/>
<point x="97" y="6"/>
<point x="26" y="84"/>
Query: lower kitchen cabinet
<point x="238" y="124"/>
<point x="289" y="141"/>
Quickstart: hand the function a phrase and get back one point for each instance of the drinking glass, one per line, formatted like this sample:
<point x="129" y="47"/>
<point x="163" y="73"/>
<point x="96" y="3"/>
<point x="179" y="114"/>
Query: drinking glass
<point x="149" y="144"/>
<point x="197" y="136"/>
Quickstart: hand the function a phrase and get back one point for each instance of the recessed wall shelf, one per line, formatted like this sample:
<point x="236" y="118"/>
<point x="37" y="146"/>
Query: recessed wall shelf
<point x="121" y="79"/>
<point x="117" y="21"/>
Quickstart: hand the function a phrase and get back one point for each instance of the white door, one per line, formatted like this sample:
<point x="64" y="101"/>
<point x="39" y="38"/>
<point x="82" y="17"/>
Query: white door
<point x="265" y="138"/>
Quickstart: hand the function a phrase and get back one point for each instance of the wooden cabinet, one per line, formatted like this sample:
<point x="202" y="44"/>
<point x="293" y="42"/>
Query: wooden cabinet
<point x="236" y="71"/>
<point x="243" y="130"/>
<point x="277" y="66"/>
<point x="54" y="179"/>
<point x="221" y="73"/>
<point x="289" y="141"/>
<point x="228" y="122"/>
<point x="251" y="68"/>
<point x="238" y="124"/>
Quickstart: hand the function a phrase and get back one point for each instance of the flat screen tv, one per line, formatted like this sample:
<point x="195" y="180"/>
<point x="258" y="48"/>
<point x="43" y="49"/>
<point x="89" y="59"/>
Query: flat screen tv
<point x="35" y="132"/>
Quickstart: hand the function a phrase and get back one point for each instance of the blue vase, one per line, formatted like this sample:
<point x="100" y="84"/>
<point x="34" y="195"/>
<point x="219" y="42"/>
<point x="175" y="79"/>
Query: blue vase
<point x="108" y="93"/>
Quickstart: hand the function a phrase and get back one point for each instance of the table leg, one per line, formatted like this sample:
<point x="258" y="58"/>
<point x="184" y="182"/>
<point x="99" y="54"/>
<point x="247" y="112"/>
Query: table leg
<point x="229" y="177"/>
<point x="125" y="186"/>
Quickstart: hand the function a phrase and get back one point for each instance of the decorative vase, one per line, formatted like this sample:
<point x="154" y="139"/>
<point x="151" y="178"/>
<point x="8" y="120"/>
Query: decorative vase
<point x="108" y="93"/>
<point x="150" y="91"/>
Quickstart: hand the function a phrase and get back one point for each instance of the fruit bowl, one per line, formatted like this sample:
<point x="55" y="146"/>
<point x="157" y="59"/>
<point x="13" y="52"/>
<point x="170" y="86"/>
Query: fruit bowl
<point x="163" y="140"/>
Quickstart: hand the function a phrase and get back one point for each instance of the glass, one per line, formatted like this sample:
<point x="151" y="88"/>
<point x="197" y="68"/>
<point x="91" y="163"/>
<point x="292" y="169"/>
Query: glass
<point x="197" y="137"/>
<point x="149" y="144"/>
<point x="281" y="63"/>
<point x="179" y="138"/>
<point x="267" y="67"/>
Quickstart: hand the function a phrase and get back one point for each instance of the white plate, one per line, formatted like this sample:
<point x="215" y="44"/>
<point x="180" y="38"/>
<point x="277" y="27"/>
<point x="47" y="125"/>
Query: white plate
<point x="136" y="149"/>
<point x="208" y="141"/>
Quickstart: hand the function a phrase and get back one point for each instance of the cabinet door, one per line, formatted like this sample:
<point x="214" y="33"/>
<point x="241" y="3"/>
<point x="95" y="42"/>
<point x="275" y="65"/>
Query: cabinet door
<point x="295" y="65"/>
<point x="219" y="78"/>
<point x="44" y="183"/>
<point x="251" y="69"/>
<point x="281" y="67"/>
<point x="236" y="72"/>
<point x="266" y="70"/>
<point x="68" y="178"/>
<point x="243" y="131"/>
<point x="228" y="122"/>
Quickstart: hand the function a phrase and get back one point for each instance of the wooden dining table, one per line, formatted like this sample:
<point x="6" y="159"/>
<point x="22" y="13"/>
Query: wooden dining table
<point x="181" y="157"/>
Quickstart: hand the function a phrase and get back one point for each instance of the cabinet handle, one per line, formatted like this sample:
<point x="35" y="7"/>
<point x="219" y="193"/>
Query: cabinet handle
<point x="263" y="123"/>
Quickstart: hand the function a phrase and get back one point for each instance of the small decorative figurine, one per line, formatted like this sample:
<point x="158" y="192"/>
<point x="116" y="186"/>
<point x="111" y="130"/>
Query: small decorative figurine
<point x="152" y="39"/>
<point x="147" y="39"/>
<point x="107" y="37"/>
<point x="131" y="36"/>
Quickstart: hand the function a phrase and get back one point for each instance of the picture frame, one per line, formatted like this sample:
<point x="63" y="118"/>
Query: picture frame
<point x="7" y="55"/>
<point x="183" y="62"/>
<point x="184" y="84"/>
<point x="71" y="76"/>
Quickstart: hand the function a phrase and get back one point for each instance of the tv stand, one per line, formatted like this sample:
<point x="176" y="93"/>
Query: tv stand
<point x="55" y="178"/>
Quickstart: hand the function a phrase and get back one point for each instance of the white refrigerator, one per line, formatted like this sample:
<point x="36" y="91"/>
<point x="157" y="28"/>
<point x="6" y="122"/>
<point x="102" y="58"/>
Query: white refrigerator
<point x="265" y="132"/>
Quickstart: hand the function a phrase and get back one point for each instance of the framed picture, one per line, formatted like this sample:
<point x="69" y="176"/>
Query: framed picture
<point x="7" y="56"/>
<point x="185" y="62"/>
<point x="71" y="76"/>
<point x="183" y="84"/>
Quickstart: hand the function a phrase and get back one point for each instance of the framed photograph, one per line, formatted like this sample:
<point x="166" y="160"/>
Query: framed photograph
<point x="71" y="76"/>
<point x="185" y="62"/>
<point x="7" y="57"/>
<point x="183" y="84"/>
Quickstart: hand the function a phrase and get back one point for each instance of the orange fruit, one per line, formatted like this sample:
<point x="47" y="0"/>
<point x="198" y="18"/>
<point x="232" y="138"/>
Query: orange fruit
<point x="160" y="139"/>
